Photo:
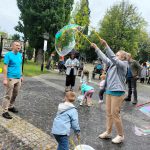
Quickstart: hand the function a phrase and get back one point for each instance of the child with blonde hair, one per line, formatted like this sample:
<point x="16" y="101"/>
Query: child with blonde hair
<point x="66" y="118"/>
<point x="85" y="77"/>
<point x="86" y="90"/>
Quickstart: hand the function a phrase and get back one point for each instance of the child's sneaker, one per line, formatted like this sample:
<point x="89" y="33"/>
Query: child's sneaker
<point x="71" y="89"/>
<point x="118" y="139"/>
<point x="81" y="103"/>
<point x="89" y="104"/>
<point x="100" y="101"/>
<point x="67" y="90"/>
<point x="105" y="135"/>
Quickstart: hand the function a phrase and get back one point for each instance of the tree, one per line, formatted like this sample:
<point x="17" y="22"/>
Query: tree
<point x="29" y="52"/>
<point x="81" y="17"/>
<point x="121" y="27"/>
<point x="90" y="52"/>
<point x="143" y="48"/>
<point x="40" y="16"/>
<point x="16" y="37"/>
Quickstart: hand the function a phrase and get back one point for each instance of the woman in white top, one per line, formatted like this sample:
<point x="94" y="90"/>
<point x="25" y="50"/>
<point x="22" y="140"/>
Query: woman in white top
<point x="72" y="65"/>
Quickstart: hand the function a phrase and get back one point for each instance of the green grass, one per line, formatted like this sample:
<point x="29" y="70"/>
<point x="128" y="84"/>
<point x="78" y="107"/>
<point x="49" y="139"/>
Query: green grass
<point x="30" y="69"/>
<point x="1" y="64"/>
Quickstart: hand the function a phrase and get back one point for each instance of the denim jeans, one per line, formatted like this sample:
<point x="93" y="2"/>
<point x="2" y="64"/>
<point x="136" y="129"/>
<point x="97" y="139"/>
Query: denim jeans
<point x="63" y="143"/>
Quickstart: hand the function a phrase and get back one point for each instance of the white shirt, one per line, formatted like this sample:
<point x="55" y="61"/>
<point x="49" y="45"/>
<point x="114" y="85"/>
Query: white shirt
<point x="69" y="63"/>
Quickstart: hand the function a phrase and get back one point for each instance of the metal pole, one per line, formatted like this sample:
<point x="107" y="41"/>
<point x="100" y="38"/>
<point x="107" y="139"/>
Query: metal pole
<point x="42" y="65"/>
<point x="46" y="37"/>
<point x="23" y="55"/>
<point x="1" y="48"/>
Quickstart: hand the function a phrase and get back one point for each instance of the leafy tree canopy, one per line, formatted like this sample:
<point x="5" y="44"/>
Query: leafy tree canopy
<point x="121" y="27"/>
<point x="40" y="16"/>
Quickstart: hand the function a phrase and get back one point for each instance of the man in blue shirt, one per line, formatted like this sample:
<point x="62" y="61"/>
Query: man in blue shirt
<point x="12" y="78"/>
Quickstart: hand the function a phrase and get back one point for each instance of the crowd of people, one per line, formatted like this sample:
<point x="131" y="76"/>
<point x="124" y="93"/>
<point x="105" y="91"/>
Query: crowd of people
<point x="120" y="69"/>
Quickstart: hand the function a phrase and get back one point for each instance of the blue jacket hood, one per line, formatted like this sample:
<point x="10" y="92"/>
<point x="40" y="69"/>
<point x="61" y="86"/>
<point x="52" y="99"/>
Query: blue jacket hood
<point x="64" y="107"/>
<point x="66" y="118"/>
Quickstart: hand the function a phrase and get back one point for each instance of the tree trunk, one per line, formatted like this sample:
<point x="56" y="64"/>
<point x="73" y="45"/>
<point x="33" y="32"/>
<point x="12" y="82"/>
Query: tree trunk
<point x="39" y="56"/>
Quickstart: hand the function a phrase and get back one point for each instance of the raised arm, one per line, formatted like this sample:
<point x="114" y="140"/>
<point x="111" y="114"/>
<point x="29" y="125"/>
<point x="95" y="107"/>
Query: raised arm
<point x="101" y="55"/>
<point x="111" y="55"/>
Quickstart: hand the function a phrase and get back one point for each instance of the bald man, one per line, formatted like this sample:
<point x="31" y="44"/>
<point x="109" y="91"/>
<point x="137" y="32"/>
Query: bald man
<point x="12" y="78"/>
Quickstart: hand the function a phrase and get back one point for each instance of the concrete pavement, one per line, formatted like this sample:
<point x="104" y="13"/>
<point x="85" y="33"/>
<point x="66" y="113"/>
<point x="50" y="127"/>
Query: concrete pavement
<point x="37" y="104"/>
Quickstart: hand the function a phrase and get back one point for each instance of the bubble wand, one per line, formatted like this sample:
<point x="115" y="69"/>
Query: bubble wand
<point x="72" y="142"/>
<point x="84" y="36"/>
<point x="79" y="143"/>
<point x="96" y="33"/>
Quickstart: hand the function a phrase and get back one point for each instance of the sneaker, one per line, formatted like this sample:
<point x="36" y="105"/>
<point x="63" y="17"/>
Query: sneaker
<point x="100" y="101"/>
<point x="134" y="102"/>
<point x="127" y="99"/>
<point x="7" y="115"/>
<point x="89" y="104"/>
<point x="67" y="90"/>
<point x="71" y="90"/>
<point x="81" y="103"/>
<point x="13" y="109"/>
<point x="105" y="135"/>
<point x="118" y="139"/>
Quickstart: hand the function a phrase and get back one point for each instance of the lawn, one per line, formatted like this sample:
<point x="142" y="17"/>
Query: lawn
<point x="30" y="69"/>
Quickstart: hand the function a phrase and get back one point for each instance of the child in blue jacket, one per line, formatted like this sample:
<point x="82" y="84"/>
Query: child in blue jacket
<point x="66" y="118"/>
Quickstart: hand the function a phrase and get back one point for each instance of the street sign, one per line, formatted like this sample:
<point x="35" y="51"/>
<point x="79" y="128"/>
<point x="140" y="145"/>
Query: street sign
<point x="46" y="36"/>
<point x="45" y="45"/>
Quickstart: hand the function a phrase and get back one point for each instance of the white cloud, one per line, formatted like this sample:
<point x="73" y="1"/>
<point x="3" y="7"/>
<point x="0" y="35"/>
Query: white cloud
<point x="9" y="15"/>
<point x="9" y="12"/>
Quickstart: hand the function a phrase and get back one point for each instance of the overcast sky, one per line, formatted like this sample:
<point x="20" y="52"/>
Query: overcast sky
<point x="9" y="13"/>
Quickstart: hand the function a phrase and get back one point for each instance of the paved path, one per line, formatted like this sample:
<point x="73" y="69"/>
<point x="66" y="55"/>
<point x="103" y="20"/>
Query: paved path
<point x="30" y="135"/>
<point x="37" y="104"/>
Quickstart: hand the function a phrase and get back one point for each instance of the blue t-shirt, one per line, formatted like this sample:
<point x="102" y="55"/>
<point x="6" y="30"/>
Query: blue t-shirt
<point x="14" y="62"/>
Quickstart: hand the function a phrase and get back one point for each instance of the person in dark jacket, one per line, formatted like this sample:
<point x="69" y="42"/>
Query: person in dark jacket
<point x="134" y="71"/>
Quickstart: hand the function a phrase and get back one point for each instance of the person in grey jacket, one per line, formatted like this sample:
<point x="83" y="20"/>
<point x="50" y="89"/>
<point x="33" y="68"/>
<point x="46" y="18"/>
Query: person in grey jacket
<point x="114" y="89"/>
<point x="66" y="118"/>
